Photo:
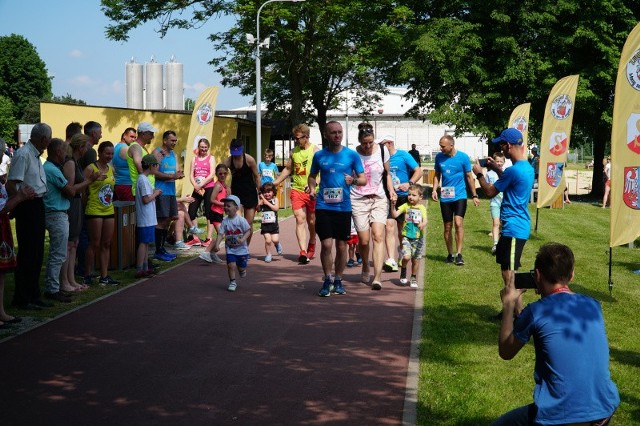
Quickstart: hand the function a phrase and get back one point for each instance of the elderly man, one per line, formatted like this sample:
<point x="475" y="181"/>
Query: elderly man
<point x="27" y="171"/>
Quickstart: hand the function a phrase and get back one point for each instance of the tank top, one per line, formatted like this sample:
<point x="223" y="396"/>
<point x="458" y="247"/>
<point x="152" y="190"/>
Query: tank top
<point x="168" y="165"/>
<point x="202" y="169"/>
<point x="78" y="176"/>
<point x="269" y="216"/>
<point x="221" y="194"/>
<point x="133" y="170"/>
<point x="100" y="198"/>
<point x="301" y="159"/>
<point x="241" y="178"/>
<point x="121" y="166"/>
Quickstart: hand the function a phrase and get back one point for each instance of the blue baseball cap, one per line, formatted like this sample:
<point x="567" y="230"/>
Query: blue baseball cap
<point x="511" y="136"/>
<point x="232" y="198"/>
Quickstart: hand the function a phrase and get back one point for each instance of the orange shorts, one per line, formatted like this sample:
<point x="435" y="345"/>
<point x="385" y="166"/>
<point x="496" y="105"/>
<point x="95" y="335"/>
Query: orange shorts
<point x="300" y="199"/>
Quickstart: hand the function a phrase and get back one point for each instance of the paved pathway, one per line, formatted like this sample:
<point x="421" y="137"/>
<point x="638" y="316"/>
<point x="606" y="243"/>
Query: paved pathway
<point x="179" y="349"/>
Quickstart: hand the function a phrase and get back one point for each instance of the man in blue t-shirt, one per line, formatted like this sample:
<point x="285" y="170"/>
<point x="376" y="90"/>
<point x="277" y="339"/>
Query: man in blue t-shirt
<point x="404" y="172"/>
<point x="339" y="168"/>
<point x="572" y="380"/>
<point x="453" y="174"/>
<point x="515" y="183"/>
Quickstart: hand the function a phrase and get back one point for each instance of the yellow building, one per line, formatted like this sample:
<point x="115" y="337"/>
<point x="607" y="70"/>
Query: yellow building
<point x="115" y="120"/>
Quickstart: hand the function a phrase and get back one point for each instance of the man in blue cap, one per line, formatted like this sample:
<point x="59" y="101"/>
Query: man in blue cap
<point x="515" y="183"/>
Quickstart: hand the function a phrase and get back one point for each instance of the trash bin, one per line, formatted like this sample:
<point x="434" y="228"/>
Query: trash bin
<point x="123" y="243"/>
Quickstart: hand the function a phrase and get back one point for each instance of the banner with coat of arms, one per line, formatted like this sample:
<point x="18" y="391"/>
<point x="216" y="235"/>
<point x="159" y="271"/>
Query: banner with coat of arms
<point x="625" y="146"/>
<point x="201" y="127"/>
<point x="520" y="120"/>
<point x="554" y="142"/>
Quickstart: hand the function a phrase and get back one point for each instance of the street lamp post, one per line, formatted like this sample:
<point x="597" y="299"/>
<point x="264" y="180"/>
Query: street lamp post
<point x="258" y="82"/>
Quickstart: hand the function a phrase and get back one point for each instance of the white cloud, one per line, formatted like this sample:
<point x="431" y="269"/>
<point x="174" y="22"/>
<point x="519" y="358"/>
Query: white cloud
<point x="76" y="53"/>
<point x="82" y="81"/>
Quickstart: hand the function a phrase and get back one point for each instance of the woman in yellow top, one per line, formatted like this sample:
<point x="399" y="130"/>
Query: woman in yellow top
<point x="99" y="213"/>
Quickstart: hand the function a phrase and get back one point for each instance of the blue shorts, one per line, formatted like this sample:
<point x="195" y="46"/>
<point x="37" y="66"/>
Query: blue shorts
<point x="239" y="260"/>
<point x="146" y="234"/>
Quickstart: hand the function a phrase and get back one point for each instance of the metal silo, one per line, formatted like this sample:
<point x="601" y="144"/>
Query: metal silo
<point x="133" y="85"/>
<point x="174" y="89"/>
<point x="153" y="80"/>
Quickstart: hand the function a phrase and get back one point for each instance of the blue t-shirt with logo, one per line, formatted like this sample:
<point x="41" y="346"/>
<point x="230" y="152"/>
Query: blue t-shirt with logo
<point x="332" y="166"/>
<point x="453" y="174"/>
<point x="268" y="172"/>
<point x="515" y="184"/>
<point x="401" y="165"/>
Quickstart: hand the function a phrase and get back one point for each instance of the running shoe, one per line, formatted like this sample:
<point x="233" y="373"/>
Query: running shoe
<point x="376" y="285"/>
<point x="165" y="257"/>
<point x="195" y="230"/>
<point x="180" y="245"/>
<point x="303" y="259"/>
<point x="450" y="258"/>
<point x="206" y="242"/>
<point x="390" y="265"/>
<point x="325" y="291"/>
<point x="493" y="249"/>
<point x="359" y="258"/>
<point x="338" y="288"/>
<point x="141" y="274"/>
<point x="194" y="242"/>
<point x="242" y="273"/>
<point x="459" y="260"/>
<point x="311" y="250"/>
<point x="232" y="286"/>
<point x="107" y="281"/>
<point x="351" y="263"/>
<point x="268" y="258"/>
<point x="205" y="256"/>
<point x="87" y="280"/>
<point x="165" y="252"/>
<point x="216" y="259"/>
<point x="279" y="248"/>
<point x="414" y="282"/>
<point x="403" y="276"/>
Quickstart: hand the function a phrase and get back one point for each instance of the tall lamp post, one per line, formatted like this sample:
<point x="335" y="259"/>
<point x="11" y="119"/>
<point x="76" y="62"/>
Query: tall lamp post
<point x="258" y="44"/>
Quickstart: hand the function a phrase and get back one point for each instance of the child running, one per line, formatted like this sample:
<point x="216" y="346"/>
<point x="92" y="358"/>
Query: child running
<point x="218" y="193"/>
<point x="496" y="201"/>
<point x="146" y="220"/>
<point x="267" y="170"/>
<point x="352" y="243"/>
<point x="235" y="230"/>
<point x="268" y="204"/>
<point x="412" y="233"/>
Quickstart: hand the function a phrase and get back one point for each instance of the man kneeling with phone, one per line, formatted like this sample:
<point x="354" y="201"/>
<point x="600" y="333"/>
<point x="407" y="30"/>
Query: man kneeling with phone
<point x="573" y="385"/>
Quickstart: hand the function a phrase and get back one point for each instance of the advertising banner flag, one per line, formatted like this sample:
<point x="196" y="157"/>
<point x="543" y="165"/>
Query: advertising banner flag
<point x="625" y="146"/>
<point x="201" y="127"/>
<point x="554" y="142"/>
<point x="520" y="120"/>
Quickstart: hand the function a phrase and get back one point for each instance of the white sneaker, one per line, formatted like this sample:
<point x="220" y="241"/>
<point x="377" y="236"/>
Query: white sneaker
<point x="180" y="245"/>
<point x="268" y="258"/>
<point x="206" y="257"/>
<point x="232" y="286"/>
<point x="215" y="258"/>
<point x="414" y="282"/>
<point x="279" y="248"/>
<point x="195" y="230"/>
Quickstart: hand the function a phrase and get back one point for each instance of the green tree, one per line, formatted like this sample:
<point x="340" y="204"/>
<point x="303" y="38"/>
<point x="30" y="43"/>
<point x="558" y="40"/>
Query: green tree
<point x="471" y="63"/>
<point x="318" y="50"/>
<point x="8" y="123"/>
<point x="23" y="75"/>
<point x="68" y="99"/>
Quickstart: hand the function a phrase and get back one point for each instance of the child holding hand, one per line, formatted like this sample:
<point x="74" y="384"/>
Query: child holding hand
<point x="412" y="233"/>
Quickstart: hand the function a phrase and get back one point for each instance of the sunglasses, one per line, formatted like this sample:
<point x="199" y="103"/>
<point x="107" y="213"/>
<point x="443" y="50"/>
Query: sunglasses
<point x="367" y="131"/>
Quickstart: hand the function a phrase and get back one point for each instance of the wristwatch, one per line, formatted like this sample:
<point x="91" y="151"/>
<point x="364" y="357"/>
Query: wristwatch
<point x="479" y="175"/>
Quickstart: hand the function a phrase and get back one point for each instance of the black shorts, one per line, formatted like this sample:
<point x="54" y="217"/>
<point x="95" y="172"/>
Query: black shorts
<point x="166" y="207"/>
<point x="402" y="199"/>
<point x="453" y="208"/>
<point x="269" y="228"/>
<point x="248" y="197"/>
<point x="333" y="224"/>
<point x="508" y="253"/>
<point x="215" y="217"/>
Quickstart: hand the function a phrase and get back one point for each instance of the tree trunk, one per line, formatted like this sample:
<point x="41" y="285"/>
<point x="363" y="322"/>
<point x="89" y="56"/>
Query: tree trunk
<point x="322" y="123"/>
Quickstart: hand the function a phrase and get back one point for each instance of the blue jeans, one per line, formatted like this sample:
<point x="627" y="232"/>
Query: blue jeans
<point x="57" y="224"/>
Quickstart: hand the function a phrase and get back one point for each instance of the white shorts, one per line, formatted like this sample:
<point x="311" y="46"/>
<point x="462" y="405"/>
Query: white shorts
<point x="368" y="210"/>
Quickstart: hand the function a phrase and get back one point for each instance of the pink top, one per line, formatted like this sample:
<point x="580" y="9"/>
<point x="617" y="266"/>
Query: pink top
<point x="219" y="197"/>
<point x="202" y="169"/>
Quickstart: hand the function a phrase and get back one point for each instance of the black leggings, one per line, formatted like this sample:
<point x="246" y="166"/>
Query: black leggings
<point x="193" y="207"/>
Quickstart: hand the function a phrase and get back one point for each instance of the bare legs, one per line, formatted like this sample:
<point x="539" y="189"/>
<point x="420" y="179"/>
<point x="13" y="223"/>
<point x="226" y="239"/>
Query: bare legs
<point x="377" y="231"/>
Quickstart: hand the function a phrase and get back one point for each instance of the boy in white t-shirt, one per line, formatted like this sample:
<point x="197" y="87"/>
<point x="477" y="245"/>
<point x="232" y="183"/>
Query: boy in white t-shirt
<point x="496" y="202"/>
<point x="235" y="230"/>
<point x="146" y="220"/>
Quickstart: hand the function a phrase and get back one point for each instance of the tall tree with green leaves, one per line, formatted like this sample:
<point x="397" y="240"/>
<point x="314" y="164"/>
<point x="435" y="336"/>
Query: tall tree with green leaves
<point x="23" y="74"/>
<point x="8" y="122"/>
<point x="471" y="63"/>
<point x="318" y="49"/>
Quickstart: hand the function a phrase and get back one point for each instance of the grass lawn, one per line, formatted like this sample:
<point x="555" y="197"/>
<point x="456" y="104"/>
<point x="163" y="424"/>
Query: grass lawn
<point x="462" y="379"/>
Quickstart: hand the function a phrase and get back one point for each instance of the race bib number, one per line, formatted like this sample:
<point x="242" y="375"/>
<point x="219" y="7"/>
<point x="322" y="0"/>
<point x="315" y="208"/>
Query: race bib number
<point x="332" y="195"/>
<point x="199" y="180"/>
<point x="268" y="173"/>
<point x="448" y="192"/>
<point x="413" y="216"/>
<point x="231" y="240"/>
<point x="268" y="217"/>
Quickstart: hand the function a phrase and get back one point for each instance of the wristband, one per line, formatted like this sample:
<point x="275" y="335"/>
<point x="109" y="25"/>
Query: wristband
<point x="479" y="175"/>
<point x="475" y="196"/>
<point x="411" y="183"/>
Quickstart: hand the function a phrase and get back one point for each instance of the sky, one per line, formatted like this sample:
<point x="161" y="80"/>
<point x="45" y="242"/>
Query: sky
<point x="69" y="36"/>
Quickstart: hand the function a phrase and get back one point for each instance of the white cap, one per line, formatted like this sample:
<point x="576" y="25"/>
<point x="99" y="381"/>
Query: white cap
<point x="146" y="127"/>
<point x="389" y="138"/>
